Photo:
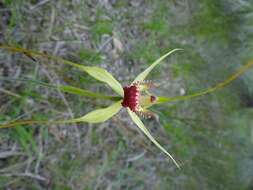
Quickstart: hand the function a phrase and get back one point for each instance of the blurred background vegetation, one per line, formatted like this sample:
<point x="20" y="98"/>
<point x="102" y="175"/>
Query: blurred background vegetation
<point x="211" y="136"/>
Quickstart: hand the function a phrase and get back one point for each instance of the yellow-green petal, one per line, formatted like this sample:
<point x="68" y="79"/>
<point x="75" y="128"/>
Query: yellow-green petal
<point x="142" y="127"/>
<point x="96" y="116"/>
<point x="100" y="115"/>
<point x="104" y="76"/>
<point x="145" y="73"/>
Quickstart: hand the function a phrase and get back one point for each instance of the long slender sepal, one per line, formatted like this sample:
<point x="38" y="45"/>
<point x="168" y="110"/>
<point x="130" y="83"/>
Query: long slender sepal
<point x="86" y="93"/>
<point x="142" y="127"/>
<point x="64" y="88"/>
<point x="96" y="72"/>
<point x="96" y="116"/>
<point x="218" y="86"/>
<point x="145" y="73"/>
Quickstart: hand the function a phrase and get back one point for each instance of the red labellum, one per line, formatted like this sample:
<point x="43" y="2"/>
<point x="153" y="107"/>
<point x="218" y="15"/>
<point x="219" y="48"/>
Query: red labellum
<point x="136" y="101"/>
<point x="131" y="97"/>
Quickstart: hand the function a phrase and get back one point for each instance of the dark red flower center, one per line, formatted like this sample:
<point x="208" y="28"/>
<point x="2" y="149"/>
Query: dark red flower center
<point x="131" y="97"/>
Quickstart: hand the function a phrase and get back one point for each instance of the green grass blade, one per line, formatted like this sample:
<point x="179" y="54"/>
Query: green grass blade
<point x="32" y="122"/>
<point x="98" y="73"/>
<point x="145" y="73"/>
<point x="218" y="86"/>
<point x="26" y="139"/>
<point x="142" y="127"/>
<point x="27" y="80"/>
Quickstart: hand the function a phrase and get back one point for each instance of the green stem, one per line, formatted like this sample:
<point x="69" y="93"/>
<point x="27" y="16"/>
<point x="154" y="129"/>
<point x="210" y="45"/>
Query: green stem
<point x="218" y="86"/>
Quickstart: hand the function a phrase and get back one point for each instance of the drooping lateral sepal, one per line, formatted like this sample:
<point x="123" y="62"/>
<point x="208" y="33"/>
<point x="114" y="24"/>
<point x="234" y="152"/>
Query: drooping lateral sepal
<point x="100" y="115"/>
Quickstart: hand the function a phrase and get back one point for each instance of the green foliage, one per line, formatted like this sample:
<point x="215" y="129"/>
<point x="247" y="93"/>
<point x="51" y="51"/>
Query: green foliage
<point x="101" y="27"/>
<point x="26" y="139"/>
<point x="212" y="21"/>
<point x="89" y="56"/>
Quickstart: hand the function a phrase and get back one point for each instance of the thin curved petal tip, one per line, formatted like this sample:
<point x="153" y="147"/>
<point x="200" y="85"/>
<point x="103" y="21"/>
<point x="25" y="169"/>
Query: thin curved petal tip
<point x="142" y="127"/>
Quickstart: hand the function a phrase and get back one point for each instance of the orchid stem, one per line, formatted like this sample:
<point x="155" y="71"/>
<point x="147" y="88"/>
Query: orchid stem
<point x="218" y="86"/>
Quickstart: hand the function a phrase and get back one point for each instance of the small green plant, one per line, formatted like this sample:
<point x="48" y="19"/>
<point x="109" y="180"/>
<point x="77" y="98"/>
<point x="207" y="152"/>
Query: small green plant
<point x="136" y="97"/>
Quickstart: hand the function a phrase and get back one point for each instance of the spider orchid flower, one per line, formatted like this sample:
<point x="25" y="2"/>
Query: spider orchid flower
<point x="134" y="101"/>
<point x="135" y="97"/>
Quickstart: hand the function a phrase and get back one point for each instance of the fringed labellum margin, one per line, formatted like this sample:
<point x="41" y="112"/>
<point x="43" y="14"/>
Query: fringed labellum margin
<point x="136" y="101"/>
